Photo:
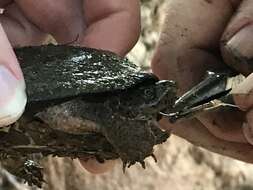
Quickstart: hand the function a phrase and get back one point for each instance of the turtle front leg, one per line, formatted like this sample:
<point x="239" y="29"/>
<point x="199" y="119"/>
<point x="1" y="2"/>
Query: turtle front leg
<point x="132" y="139"/>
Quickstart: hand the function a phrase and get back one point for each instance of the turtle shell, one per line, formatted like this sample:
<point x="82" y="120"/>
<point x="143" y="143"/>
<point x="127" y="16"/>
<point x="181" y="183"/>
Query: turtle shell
<point x="54" y="72"/>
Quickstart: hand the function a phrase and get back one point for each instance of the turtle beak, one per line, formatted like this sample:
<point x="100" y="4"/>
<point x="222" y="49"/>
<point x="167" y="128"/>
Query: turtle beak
<point x="163" y="87"/>
<point x="165" y="94"/>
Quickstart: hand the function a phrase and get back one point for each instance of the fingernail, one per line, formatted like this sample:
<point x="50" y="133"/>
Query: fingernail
<point x="242" y="41"/>
<point x="12" y="97"/>
<point x="95" y="167"/>
<point x="238" y="50"/>
<point x="247" y="131"/>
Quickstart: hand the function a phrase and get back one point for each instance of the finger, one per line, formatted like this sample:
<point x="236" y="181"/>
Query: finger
<point x="19" y="30"/>
<point x="248" y="127"/>
<point x="95" y="167"/>
<point x="185" y="52"/>
<point x="111" y="25"/>
<point x="197" y="134"/>
<point x="237" y="39"/>
<point x="62" y="19"/>
<point x="225" y="124"/>
<point x="243" y="94"/>
<point x="184" y="29"/>
<point x="4" y="3"/>
<point x="12" y="97"/>
<point x="243" y="97"/>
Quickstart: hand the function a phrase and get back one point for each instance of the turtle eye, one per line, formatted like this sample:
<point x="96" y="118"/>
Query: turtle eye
<point x="149" y="93"/>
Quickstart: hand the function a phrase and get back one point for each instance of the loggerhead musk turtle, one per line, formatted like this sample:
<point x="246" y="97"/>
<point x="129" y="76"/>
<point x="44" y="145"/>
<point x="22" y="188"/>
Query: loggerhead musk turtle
<point x="89" y="102"/>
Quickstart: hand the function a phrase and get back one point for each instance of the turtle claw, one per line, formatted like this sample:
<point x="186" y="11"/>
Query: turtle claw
<point x="124" y="166"/>
<point x="143" y="165"/>
<point x="130" y="164"/>
<point x="154" y="158"/>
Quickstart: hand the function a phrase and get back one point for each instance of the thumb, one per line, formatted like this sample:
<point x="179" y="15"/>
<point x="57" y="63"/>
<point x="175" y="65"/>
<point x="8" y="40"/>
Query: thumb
<point x="237" y="41"/>
<point x="12" y="86"/>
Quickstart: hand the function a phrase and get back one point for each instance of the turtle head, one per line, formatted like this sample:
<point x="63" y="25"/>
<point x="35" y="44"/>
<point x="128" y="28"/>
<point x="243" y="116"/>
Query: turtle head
<point x="165" y="91"/>
<point x="159" y="96"/>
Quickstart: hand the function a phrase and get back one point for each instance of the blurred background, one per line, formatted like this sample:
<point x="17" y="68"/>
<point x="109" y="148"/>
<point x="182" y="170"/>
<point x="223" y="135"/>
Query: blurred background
<point x="180" y="166"/>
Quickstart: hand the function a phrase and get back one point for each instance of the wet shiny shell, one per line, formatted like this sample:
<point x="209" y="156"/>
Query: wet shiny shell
<point x="58" y="72"/>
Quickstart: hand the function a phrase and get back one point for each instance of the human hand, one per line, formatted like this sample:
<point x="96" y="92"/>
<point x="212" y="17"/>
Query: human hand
<point x="201" y="35"/>
<point x="104" y="24"/>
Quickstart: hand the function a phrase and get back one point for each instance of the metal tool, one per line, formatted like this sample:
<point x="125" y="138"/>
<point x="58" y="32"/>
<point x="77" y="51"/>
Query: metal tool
<point x="210" y="94"/>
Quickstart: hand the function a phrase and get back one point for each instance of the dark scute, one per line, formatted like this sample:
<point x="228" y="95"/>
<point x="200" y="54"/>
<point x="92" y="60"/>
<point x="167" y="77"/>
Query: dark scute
<point x="59" y="72"/>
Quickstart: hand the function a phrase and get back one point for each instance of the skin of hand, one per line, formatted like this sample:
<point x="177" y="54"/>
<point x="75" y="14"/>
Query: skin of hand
<point x="112" y="25"/>
<point x="198" y="35"/>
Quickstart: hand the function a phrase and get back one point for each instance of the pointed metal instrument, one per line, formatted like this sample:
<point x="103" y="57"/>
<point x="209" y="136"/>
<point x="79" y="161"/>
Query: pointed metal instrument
<point x="210" y="94"/>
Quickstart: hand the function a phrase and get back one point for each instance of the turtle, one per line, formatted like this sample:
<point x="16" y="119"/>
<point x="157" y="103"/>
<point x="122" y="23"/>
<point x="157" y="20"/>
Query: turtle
<point x="88" y="102"/>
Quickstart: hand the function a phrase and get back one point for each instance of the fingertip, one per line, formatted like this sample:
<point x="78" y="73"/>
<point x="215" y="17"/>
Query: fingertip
<point x="94" y="167"/>
<point x="236" y="43"/>
<point x="243" y="93"/>
<point x="12" y="85"/>
<point x="8" y="57"/>
<point x="238" y="51"/>
<point x="12" y="97"/>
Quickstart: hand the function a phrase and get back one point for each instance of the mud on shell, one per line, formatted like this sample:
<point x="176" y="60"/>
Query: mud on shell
<point x="73" y="71"/>
<point x="99" y="87"/>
